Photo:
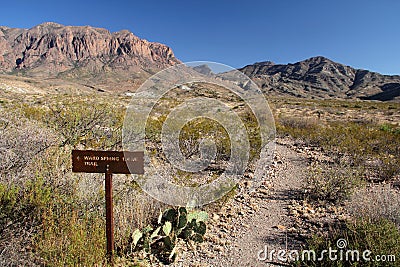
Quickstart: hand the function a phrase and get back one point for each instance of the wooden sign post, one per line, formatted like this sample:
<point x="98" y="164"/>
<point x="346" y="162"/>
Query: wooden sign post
<point x="108" y="162"/>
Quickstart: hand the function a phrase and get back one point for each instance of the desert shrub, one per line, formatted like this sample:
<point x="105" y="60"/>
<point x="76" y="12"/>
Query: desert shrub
<point x="384" y="168"/>
<point x="376" y="203"/>
<point x="298" y="123"/>
<point x="70" y="236"/>
<point x="381" y="238"/>
<point x="63" y="230"/>
<point x="306" y="129"/>
<point x="154" y="127"/>
<point x="386" y="128"/>
<point x="54" y="165"/>
<point x="23" y="203"/>
<point x="40" y="210"/>
<point x="331" y="183"/>
<point x="33" y="112"/>
<point x="49" y="212"/>
<point x="86" y="123"/>
<point x="67" y="230"/>
<point x="21" y="213"/>
<point x="72" y="231"/>
<point x="193" y="132"/>
<point x="21" y="140"/>
<point x="373" y="147"/>
<point x="203" y="128"/>
<point x="133" y="209"/>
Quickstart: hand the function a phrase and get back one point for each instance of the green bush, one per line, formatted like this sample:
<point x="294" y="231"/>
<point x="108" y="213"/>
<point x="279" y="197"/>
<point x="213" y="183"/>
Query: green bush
<point x="64" y="233"/>
<point x="24" y="203"/>
<point x="9" y="195"/>
<point x="70" y="236"/>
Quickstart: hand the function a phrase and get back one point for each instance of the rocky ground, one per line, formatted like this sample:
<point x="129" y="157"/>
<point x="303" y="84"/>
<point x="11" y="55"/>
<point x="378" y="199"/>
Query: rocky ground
<point x="274" y="217"/>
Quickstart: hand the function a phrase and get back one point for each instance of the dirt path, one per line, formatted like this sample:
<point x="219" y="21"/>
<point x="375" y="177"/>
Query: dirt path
<point x="249" y="224"/>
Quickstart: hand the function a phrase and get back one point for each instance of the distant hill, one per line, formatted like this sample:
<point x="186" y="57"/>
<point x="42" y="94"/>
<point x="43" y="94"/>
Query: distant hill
<point x="93" y="56"/>
<point x="319" y="77"/>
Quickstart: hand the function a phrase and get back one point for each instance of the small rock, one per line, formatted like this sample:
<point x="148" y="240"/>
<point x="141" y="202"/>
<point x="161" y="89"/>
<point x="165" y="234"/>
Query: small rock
<point x="218" y="248"/>
<point x="263" y="191"/>
<point x="310" y="210"/>
<point x="294" y="212"/>
<point x="247" y="183"/>
<point x="280" y="227"/>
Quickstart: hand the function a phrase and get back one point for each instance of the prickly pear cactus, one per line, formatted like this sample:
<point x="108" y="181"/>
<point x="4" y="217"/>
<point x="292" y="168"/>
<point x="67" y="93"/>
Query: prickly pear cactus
<point x="172" y="224"/>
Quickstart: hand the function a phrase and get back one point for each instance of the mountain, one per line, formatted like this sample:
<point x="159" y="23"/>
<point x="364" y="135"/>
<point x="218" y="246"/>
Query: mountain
<point x="55" y="57"/>
<point x="94" y="56"/>
<point x="319" y="77"/>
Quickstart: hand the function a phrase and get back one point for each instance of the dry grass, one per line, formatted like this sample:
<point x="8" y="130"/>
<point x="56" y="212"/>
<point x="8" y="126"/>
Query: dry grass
<point x="331" y="184"/>
<point x="45" y="208"/>
<point x="380" y="237"/>
<point x="364" y="145"/>
<point x="133" y="210"/>
<point x="376" y="203"/>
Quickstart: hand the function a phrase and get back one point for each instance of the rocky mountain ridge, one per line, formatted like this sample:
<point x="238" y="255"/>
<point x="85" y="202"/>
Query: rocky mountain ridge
<point x="80" y="52"/>
<point x="320" y="77"/>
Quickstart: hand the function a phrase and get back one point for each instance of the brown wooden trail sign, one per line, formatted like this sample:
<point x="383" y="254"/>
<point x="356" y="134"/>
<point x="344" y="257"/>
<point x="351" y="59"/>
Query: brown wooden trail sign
<point x="108" y="162"/>
<point x="117" y="161"/>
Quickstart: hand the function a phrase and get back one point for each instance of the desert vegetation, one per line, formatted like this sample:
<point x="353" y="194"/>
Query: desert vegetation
<point x="48" y="214"/>
<point x="51" y="216"/>
<point x="359" y="171"/>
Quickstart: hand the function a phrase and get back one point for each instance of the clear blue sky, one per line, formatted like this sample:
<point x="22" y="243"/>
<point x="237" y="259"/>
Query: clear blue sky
<point x="363" y="34"/>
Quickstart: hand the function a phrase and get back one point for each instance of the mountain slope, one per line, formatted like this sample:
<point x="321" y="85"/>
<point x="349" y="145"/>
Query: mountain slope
<point x="319" y="77"/>
<point x="93" y="55"/>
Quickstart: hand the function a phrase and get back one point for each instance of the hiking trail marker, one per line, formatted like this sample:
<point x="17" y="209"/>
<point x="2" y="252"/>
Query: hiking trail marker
<point x="108" y="162"/>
